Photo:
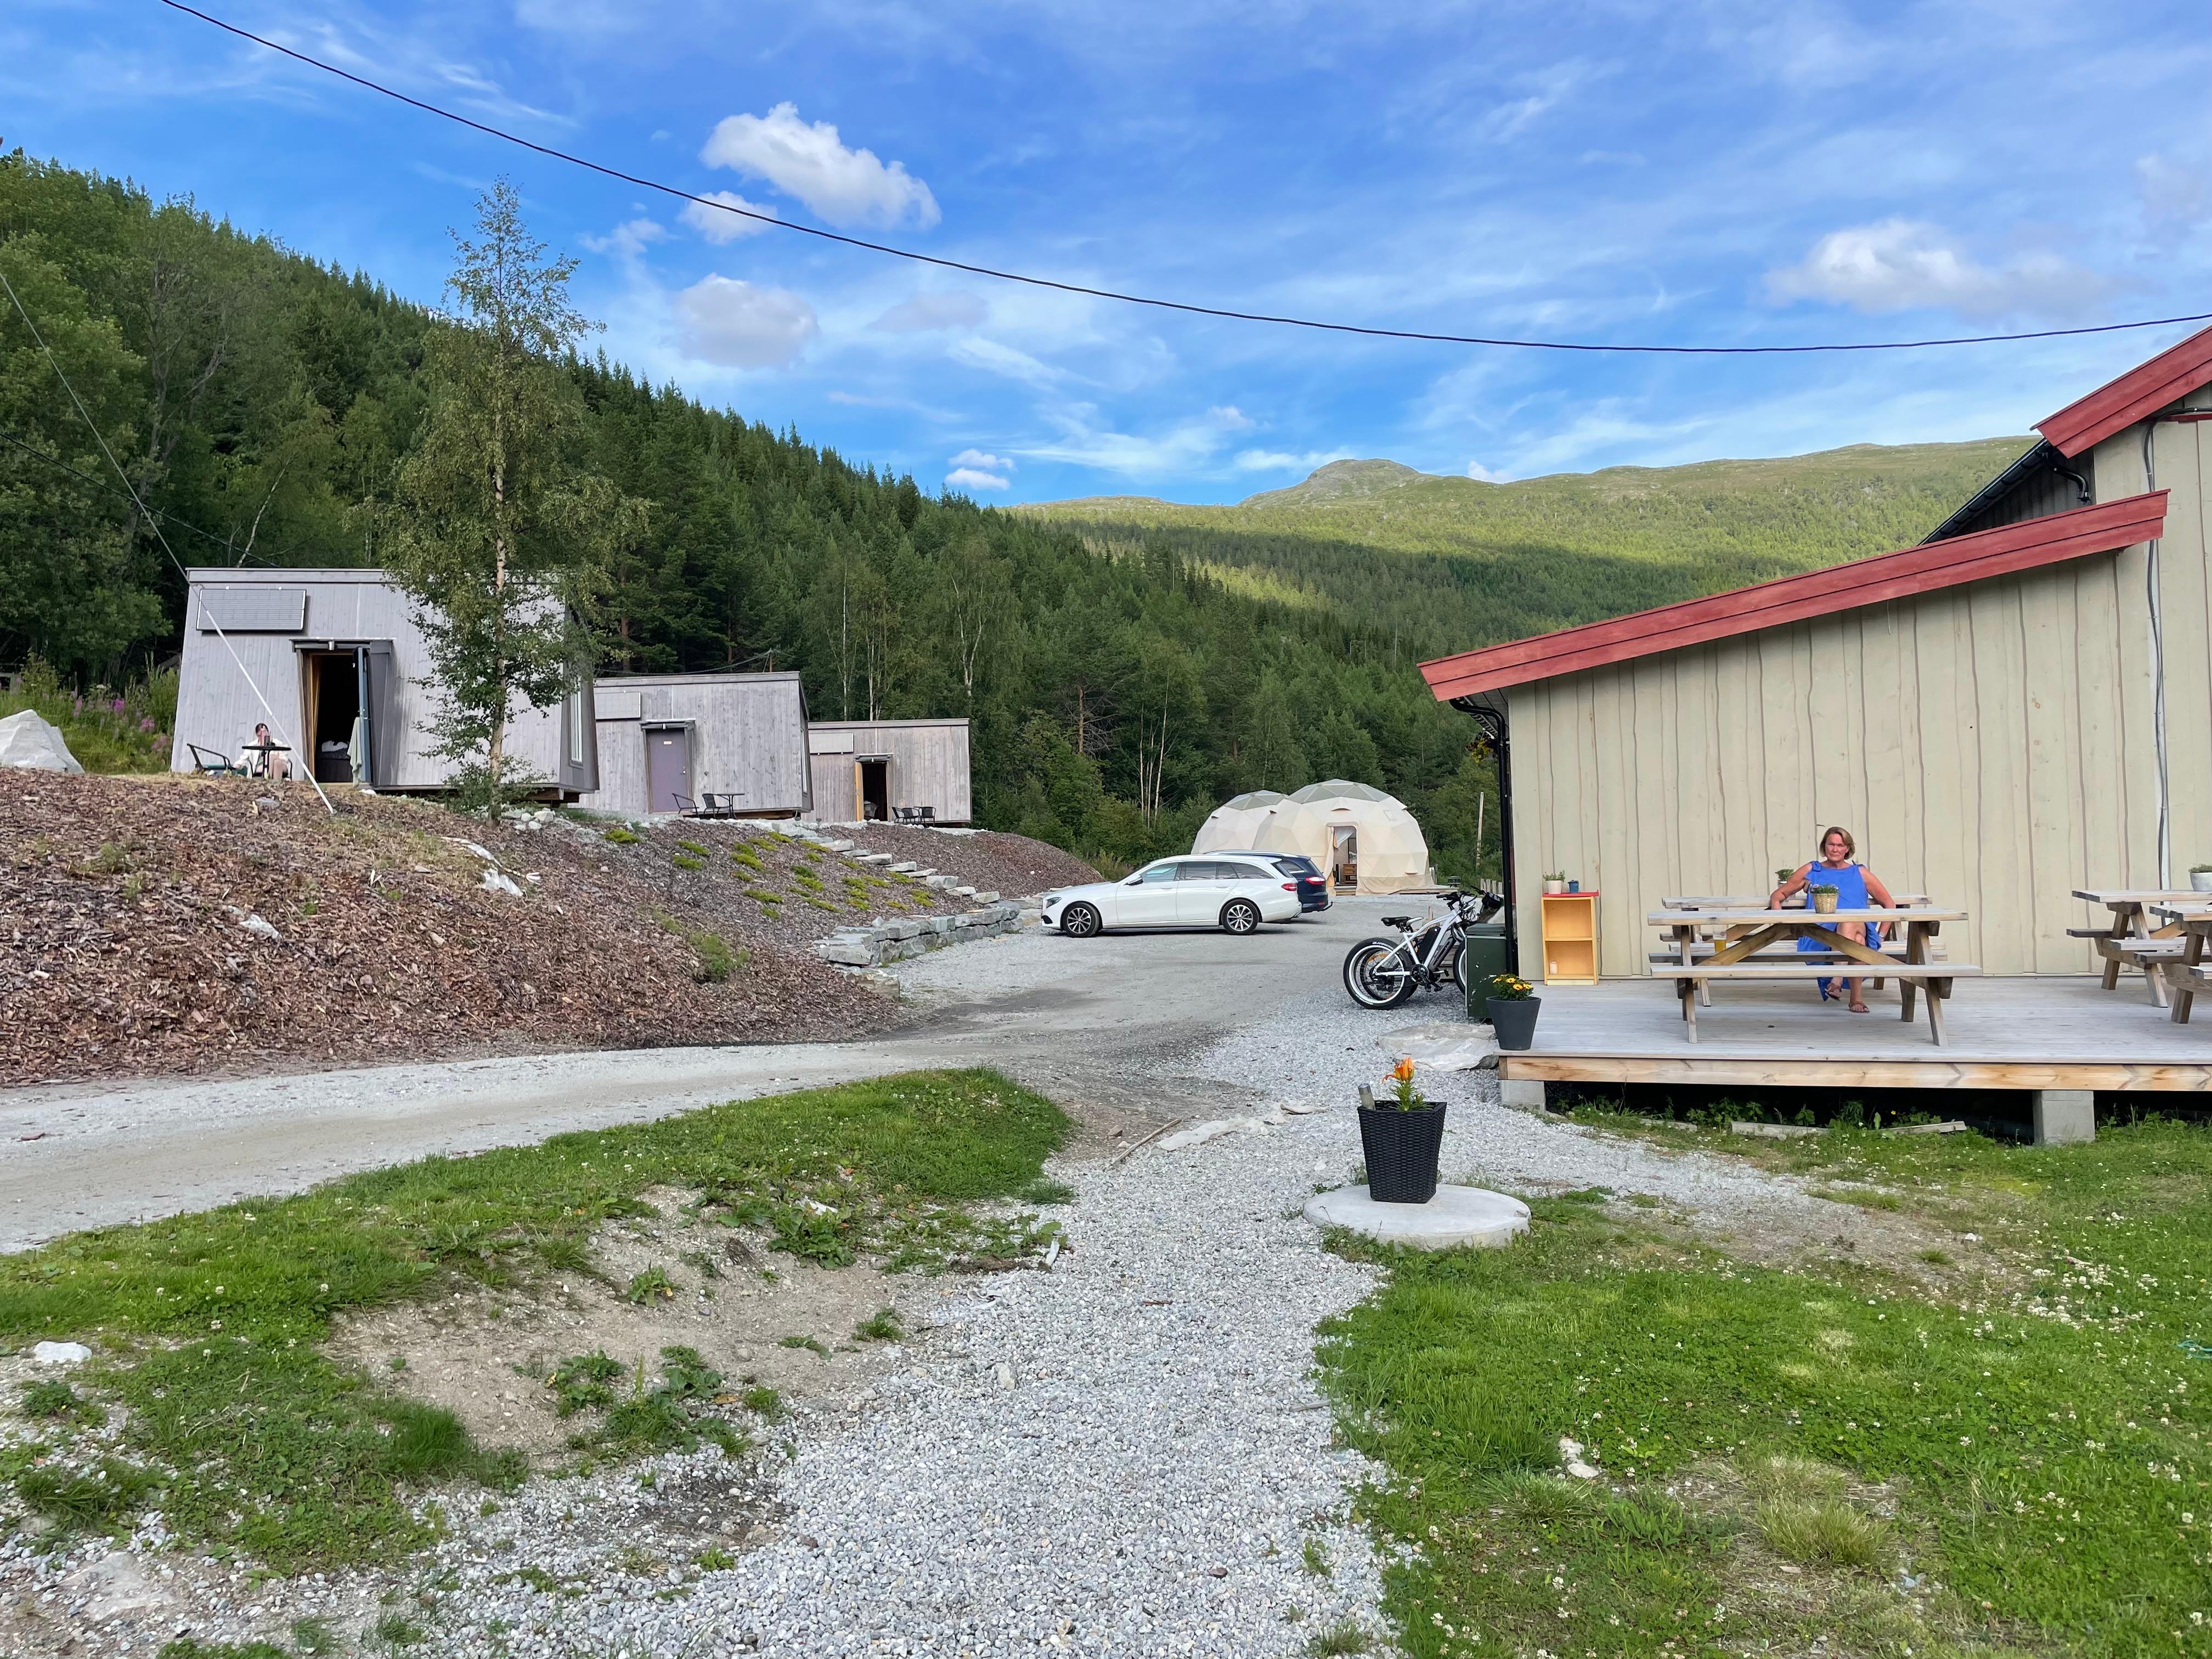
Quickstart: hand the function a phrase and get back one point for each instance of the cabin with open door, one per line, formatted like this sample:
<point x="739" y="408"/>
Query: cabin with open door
<point x="731" y="744"/>
<point x="883" y="770"/>
<point x="333" y="662"/>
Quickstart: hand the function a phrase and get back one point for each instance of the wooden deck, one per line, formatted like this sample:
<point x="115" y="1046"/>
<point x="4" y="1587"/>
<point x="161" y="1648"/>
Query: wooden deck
<point x="2042" y="1033"/>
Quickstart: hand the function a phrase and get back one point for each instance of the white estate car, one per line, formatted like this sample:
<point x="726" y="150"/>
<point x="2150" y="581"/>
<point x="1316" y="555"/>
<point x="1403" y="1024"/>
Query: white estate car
<point x="1217" y="890"/>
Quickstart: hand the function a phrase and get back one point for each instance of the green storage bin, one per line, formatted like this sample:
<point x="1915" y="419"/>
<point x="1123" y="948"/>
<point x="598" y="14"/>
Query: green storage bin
<point x="1485" y="952"/>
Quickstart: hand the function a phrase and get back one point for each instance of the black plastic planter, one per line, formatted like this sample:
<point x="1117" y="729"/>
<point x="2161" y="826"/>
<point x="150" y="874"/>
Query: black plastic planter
<point x="1515" y="1021"/>
<point x="1402" y="1150"/>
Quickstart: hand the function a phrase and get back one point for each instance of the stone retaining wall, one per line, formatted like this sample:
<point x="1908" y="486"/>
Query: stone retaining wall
<point x="873" y="945"/>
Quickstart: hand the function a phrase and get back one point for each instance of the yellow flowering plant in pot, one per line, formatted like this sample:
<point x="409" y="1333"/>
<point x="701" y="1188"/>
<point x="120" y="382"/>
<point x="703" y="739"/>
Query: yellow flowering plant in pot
<point x="1512" y="1005"/>
<point x="1402" y="1136"/>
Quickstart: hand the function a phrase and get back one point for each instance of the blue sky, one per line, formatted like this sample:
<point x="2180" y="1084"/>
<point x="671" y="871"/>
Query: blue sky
<point x="1710" y="171"/>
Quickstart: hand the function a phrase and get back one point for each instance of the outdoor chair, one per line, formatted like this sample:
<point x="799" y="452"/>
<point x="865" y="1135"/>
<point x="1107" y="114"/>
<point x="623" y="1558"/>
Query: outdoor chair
<point x="215" y="765"/>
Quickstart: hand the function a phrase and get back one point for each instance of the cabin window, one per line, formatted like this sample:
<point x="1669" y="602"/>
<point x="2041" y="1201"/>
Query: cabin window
<point x="576" y="726"/>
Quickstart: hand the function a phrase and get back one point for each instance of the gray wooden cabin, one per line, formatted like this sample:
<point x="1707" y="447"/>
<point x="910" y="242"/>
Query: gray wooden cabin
<point x="669" y="742"/>
<point x="332" y="661"/>
<point x="876" y="768"/>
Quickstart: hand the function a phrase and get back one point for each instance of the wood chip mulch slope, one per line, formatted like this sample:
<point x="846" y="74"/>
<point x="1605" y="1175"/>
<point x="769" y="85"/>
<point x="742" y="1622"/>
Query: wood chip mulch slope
<point x="125" y="947"/>
<point x="1014" y="866"/>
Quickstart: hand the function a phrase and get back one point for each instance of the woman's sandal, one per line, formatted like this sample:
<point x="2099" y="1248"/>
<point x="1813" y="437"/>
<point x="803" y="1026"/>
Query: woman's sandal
<point x="1860" y="1008"/>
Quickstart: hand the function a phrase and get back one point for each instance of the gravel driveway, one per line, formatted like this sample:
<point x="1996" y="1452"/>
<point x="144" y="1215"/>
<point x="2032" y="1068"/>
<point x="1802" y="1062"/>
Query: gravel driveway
<point x="1126" y="1455"/>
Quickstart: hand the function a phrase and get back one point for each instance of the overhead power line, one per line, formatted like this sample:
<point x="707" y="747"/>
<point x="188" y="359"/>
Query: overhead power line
<point x="1187" y="308"/>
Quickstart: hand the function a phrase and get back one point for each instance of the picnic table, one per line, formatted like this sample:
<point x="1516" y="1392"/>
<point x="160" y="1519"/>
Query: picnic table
<point x="2193" y="920"/>
<point x="1750" y="931"/>
<point x="2130" y="940"/>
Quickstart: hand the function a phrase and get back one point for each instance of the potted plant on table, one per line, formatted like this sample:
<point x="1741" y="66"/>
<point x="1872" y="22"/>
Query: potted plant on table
<point x="1514" y="1005"/>
<point x="1402" y="1136"/>
<point x="1824" y="898"/>
<point x="2200" y="877"/>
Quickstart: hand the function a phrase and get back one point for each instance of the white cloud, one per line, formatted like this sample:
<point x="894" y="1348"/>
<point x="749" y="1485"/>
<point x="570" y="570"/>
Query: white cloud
<point x="740" y="326"/>
<point x="809" y="162"/>
<point x="1230" y="418"/>
<point x="1277" y="460"/>
<point x="967" y="478"/>
<point x="722" y="229"/>
<point x="1482" y="474"/>
<point x="928" y="312"/>
<point x="627" y="241"/>
<point x="1902" y="264"/>
<point x="977" y="458"/>
<point x="1000" y="359"/>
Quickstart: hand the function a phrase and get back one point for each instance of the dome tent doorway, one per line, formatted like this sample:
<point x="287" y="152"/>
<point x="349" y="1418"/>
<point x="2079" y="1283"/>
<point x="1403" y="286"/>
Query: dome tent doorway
<point x="1366" y="841"/>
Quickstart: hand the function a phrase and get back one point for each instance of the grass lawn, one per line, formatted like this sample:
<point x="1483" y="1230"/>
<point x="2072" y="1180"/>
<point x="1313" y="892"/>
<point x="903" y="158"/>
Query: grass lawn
<point x="207" y="1326"/>
<point x="2003" y="1456"/>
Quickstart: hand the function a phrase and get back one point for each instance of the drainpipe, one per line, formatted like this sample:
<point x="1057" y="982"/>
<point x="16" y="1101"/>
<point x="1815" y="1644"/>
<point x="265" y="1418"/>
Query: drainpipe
<point x="2158" y="669"/>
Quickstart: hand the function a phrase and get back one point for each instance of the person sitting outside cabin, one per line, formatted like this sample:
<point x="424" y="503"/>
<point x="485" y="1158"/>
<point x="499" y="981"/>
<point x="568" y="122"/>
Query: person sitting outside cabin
<point x="260" y="761"/>
<point x="1855" y="887"/>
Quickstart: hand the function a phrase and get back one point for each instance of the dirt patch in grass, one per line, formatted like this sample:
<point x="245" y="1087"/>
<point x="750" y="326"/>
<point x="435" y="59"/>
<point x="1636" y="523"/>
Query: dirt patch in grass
<point x="222" y="1405"/>
<point x="489" y="1357"/>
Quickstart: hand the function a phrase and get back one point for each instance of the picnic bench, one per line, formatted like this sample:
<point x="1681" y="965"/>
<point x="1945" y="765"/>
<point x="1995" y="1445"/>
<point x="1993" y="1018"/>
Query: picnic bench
<point x="2188" y="974"/>
<point x="1735" y="930"/>
<point x="2130" y="940"/>
<point x="1747" y="952"/>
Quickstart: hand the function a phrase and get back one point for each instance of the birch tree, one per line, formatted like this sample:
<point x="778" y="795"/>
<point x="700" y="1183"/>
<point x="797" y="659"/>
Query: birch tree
<point x="499" y="533"/>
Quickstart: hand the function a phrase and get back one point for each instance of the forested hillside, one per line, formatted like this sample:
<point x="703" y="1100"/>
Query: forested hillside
<point x="1444" y="564"/>
<point x="1124" y="672"/>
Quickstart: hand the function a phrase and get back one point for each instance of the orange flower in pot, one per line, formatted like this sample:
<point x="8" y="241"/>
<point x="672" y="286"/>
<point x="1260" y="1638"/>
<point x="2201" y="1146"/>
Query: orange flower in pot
<point x="1402" y="1137"/>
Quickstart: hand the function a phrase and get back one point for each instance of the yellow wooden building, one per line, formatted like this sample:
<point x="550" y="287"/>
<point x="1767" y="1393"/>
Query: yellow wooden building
<point x="2018" y="707"/>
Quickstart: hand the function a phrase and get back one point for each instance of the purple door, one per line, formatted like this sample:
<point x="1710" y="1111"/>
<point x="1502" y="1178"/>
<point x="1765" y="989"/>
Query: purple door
<point x="668" y="770"/>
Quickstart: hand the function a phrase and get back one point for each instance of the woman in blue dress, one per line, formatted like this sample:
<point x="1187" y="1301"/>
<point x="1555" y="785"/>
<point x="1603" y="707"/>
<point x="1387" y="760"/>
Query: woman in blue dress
<point x="1857" y="888"/>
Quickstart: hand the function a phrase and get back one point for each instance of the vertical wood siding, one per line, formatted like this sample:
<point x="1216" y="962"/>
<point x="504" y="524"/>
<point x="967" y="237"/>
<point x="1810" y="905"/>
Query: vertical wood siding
<point x="929" y="766"/>
<point x="1990" y="745"/>
<point x="748" y="739"/>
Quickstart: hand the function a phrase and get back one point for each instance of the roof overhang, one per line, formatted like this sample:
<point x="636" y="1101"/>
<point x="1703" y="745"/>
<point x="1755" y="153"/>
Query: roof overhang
<point x="2003" y="551"/>
<point x="2139" y="393"/>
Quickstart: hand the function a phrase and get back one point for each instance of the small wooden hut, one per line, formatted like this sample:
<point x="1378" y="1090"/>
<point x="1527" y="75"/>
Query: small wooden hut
<point x="865" y="770"/>
<point x="722" y="743"/>
<point x="332" y="662"/>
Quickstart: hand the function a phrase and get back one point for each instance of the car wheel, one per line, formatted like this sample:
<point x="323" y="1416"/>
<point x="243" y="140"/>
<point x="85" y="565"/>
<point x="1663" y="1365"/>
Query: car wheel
<point x="1240" y="916"/>
<point x="1372" y="976"/>
<point x="1079" y="922"/>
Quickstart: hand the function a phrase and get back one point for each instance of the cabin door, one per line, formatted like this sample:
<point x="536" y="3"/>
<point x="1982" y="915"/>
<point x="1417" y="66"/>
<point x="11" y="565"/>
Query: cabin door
<point x="875" y="781"/>
<point x="1344" y="858"/>
<point x="668" y="769"/>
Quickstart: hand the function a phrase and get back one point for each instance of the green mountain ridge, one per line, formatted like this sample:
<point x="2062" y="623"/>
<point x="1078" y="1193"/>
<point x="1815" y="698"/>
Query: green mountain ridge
<point x="1450" y="564"/>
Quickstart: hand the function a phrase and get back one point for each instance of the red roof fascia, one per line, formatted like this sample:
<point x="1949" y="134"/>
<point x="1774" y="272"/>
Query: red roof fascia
<point x="2143" y="390"/>
<point x="2000" y="552"/>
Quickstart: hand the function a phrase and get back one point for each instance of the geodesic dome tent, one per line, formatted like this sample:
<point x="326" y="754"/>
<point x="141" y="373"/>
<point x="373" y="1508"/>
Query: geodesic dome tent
<point x="1364" y="841"/>
<point x="1229" y="826"/>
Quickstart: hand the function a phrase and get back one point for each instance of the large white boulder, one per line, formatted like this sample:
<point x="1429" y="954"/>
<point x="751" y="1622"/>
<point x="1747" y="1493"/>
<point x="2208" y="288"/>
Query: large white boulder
<point x="30" y="743"/>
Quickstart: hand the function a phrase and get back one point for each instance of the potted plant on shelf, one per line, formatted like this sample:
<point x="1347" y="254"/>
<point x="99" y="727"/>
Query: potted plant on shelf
<point x="1402" y="1136"/>
<point x="1824" y="898"/>
<point x="1554" y="884"/>
<point x="2200" y="877"/>
<point x="1514" y="1005"/>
